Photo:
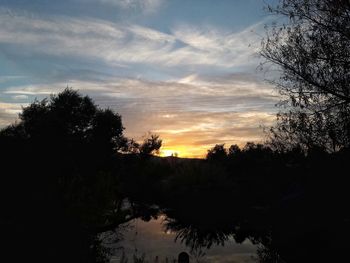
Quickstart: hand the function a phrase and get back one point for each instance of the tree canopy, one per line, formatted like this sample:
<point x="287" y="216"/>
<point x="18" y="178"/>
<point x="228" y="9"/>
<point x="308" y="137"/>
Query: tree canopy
<point x="312" y="51"/>
<point x="63" y="158"/>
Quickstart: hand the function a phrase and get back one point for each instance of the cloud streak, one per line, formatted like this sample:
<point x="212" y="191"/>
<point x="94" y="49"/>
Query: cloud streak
<point x="9" y="112"/>
<point x="195" y="85"/>
<point x="145" y="6"/>
<point x="115" y="43"/>
<point x="191" y="114"/>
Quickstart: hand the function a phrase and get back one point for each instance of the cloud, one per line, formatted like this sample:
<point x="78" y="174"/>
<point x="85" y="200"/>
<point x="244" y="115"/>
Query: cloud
<point x="4" y="79"/>
<point x="125" y="44"/>
<point x="191" y="114"/>
<point x="146" y="6"/>
<point x="194" y="116"/>
<point x="233" y="49"/>
<point x="157" y="81"/>
<point x="198" y="131"/>
<point x="9" y="112"/>
<point x="10" y="108"/>
<point x="20" y="97"/>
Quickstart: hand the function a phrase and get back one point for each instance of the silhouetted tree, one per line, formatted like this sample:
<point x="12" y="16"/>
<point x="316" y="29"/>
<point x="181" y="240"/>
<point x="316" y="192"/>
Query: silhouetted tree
<point x="217" y="153"/>
<point x="234" y="150"/>
<point x="60" y="185"/>
<point x="312" y="51"/>
<point x="151" y="145"/>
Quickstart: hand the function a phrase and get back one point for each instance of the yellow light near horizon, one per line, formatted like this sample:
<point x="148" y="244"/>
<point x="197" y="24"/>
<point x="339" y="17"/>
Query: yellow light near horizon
<point x="174" y="151"/>
<point x="181" y="151"/>
<point x="167" y="152"/>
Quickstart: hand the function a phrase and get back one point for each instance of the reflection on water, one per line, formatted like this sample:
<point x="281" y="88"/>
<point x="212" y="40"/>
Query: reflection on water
<point x="151" y="239"/>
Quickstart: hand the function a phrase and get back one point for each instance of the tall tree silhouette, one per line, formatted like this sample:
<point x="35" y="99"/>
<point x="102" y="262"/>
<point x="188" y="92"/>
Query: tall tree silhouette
<point x="150" y="145"/>
<point x="217" y="153"/>
<point x="60" y="184"/>
<point x="312" y="51"/>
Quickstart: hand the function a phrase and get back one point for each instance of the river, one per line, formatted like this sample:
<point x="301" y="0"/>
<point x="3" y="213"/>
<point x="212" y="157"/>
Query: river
<point x="150" y="239"/>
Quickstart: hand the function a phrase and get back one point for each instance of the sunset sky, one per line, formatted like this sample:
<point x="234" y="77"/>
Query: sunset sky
<point x="184" y="69"/>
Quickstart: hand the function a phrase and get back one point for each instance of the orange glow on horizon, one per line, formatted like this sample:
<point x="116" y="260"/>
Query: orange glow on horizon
<point x="188" y="149"/>
<point x="182" y="151"/>
<point x="192" y="134"/>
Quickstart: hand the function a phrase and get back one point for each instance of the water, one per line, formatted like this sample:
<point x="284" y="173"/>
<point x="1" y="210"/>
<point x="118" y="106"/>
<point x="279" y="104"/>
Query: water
<point x="149" y="238"/>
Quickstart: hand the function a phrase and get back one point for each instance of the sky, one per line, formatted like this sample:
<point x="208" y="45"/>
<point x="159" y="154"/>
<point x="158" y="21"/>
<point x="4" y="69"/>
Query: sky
<point x="186" y="70"/>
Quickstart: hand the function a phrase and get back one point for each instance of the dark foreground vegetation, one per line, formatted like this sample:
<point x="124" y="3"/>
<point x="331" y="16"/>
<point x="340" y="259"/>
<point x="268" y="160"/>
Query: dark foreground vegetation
<point x="69" y="174"/>
<point x="72" y="175"/>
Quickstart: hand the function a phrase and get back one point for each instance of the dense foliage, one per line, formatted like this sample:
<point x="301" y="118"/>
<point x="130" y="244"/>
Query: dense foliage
<point x="60" y="181"/>
<point x="311" y="50"/>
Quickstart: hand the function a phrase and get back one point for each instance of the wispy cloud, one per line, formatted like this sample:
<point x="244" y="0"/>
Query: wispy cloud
<point x="202" y="130"/>
<point x="175" y="97"/>
<point x="191" y="114"/>
<point x="20" y="97"/>
<point x="10" y="108"/>
<point x="116" y="43"/>
<point x="9" y="112"/>
<point x="146" y="6"/>
<point x="4" y="79"/>
<point x="233" y="49"/>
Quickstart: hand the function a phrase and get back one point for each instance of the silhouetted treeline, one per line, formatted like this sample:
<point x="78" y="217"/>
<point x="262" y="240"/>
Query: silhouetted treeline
<point x="69" y="174"/>
<point x="294" y="203"/>
<point x="60" y="179"/>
